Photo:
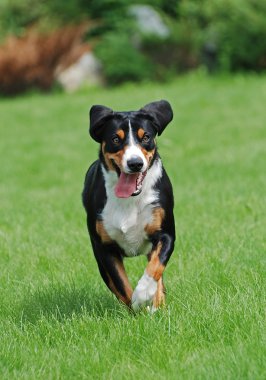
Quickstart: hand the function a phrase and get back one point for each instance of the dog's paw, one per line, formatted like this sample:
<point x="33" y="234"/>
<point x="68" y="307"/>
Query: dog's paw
<point x="144" y="292"/>
<point x="152" y="309"/>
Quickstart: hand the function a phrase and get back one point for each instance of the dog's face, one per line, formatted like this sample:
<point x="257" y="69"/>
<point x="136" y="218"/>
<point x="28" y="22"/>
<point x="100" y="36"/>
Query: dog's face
<point x="128" y="141"/>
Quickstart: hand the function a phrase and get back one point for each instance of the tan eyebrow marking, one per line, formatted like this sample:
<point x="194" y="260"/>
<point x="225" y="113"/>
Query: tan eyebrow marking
<point x="140" y="133"/>
<point x="121" y="134"/>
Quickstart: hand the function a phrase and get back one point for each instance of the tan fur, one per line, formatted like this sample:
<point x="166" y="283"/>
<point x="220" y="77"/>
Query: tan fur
<point x="140" y="133"/>
<point x="159" y="298"/>
<point x="155" y="268"/>
<point x="121" y="134"/>
<point x="123" y="276"/>
<point x="111" y="285"/>
<point x="148" y="154"/>
<point x="158" y="216"/>
<point x="107" y="161"/>
<point x="105" y="238"/>
<point x="127" y="287"/>
<point x="116" y="157"/>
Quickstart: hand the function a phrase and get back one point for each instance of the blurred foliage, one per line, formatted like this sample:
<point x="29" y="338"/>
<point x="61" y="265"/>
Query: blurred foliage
<point x="121" y="61"/>
<point x="173" y="54"/>
<point x="235" y="29"/>
<point x="225" y="35"/>
<point x="16" y="15"/>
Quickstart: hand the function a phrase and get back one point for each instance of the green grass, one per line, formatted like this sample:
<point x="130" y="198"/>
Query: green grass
<point x="57" y="319"/>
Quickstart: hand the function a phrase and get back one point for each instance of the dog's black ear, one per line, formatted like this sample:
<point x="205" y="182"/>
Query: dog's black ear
<point x="161" y="113"/>
<point x="98" y="116"/>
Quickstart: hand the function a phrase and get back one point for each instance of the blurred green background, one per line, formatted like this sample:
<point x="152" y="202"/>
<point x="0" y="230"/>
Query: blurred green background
<point x="133" y="40"/>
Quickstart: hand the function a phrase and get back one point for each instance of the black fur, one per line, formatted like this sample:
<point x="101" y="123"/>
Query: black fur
<point x="104" y="123"/>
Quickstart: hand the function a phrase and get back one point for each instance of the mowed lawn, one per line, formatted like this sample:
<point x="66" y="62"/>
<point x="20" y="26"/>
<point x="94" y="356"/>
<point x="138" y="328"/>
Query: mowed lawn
<point x="57" y="319"/>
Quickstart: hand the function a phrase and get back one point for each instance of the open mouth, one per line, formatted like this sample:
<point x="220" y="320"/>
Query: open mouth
<point x="129" y="184"/>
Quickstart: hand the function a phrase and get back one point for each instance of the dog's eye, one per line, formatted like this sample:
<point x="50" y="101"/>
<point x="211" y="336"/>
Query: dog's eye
<point x="145" y="138"/>
<point x="115" y="139"/>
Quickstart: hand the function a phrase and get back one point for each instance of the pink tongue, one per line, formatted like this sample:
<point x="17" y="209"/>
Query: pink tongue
<point x="126" y="185"/>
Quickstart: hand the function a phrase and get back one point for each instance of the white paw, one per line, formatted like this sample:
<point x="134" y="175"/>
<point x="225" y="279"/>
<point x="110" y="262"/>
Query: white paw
<point x="144" y="292"/>
<point x="151" y="309"/>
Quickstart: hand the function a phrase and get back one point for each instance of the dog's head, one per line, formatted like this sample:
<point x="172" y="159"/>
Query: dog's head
<point x="128" y="141"/>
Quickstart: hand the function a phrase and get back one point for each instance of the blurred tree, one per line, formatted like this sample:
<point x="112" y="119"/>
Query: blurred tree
<point x="226" y="35"/>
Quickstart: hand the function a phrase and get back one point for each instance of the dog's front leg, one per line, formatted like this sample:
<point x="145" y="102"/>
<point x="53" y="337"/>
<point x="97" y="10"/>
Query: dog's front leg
<point x="112" y="270"/>
<point x="151" y="281"/>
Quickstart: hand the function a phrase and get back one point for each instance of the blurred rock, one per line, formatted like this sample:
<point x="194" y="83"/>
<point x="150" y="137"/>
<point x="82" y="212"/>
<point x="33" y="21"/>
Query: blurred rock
<point x="149" y="20"/>
<point x="85" y="71"/>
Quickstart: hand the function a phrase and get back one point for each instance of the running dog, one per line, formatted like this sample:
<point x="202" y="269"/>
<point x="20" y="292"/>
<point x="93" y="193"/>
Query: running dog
<point x="129" y="201"/>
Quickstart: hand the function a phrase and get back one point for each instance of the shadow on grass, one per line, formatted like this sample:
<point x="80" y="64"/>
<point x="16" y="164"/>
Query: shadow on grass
<point x="62" y="302"/>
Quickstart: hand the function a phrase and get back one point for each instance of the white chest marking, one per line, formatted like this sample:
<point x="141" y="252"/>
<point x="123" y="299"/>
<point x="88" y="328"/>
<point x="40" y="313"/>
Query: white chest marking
<point x="125" y="219"/>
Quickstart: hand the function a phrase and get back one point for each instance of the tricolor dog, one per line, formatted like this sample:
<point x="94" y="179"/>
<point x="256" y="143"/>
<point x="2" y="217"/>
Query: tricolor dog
<point x="129" y="200"/>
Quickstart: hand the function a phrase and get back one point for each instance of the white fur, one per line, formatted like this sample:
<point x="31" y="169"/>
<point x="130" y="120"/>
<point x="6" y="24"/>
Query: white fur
<point x="144" y="292"/>
<point x="133" y="151"/>
<point x="125" y="219"/>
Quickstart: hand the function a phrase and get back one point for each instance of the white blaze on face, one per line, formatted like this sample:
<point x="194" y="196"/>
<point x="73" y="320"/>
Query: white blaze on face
<point x="133" y="151"/>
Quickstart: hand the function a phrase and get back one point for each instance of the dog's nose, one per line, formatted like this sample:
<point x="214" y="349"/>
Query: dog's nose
<point x="135" y="164"/>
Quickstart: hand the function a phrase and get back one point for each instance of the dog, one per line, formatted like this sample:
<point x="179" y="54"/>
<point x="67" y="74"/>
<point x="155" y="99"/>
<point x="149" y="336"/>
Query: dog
<point x="129" y="202"/>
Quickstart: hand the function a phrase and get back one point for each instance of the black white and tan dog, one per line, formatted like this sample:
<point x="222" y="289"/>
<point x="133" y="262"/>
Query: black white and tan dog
<point x="129" y="200"/>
